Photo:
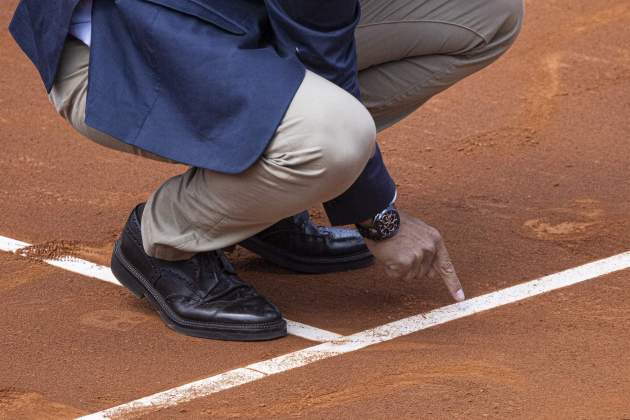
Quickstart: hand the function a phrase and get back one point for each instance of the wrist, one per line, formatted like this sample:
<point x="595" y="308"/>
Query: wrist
<point x="382" y="226"/>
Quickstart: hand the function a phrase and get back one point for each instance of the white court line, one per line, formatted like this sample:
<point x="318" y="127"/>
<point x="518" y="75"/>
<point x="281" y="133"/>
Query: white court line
<point x="311" y="333"/>
<point x="89" y="269"/>
<point x="354" y="342"/>
<point x="72" y="264"/>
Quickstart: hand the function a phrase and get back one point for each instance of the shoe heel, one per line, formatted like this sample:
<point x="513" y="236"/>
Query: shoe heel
<point x="123" y="275"/>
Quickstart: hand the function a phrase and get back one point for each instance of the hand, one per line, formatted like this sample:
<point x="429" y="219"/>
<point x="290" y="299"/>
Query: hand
<point x="417" y="250"/>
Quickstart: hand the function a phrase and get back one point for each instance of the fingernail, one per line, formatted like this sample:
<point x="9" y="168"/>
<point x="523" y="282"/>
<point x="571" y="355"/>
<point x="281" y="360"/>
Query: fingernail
<point x="459" y="295"/>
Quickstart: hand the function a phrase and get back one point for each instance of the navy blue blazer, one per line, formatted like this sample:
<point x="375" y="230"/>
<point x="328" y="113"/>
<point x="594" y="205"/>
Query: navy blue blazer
<point x="207" y="82"/>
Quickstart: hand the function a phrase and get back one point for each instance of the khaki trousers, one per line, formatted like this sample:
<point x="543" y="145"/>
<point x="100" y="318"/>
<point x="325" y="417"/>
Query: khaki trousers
<point x="408" y="51"/>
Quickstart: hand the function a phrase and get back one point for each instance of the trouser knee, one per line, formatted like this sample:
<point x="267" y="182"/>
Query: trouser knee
<point x="348" y="147"/>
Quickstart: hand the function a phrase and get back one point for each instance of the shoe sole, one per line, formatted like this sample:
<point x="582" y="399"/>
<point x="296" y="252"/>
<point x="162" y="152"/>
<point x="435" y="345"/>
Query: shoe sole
<point x="133" y="280"/>
<point x="307" y="265"/>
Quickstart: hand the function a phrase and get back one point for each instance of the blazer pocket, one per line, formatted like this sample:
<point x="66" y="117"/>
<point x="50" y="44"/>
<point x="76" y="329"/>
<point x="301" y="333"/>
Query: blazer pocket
<point x="204" y="12"/>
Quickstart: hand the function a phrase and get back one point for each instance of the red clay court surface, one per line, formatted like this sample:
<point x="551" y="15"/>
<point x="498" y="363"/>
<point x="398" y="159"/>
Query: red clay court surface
<point x="524" y="168"/>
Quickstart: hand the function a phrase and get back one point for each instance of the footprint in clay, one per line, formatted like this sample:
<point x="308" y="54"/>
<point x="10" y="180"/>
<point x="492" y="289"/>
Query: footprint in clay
<point x="581" y="219"/>
<point x="114" y="320"/>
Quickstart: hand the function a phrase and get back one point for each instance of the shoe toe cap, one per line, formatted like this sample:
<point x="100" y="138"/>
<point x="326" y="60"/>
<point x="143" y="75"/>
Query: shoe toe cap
<point x="253" y="310"/>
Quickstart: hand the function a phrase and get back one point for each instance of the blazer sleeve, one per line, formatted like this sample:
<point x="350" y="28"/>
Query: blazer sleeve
<point x="321" y="34"/>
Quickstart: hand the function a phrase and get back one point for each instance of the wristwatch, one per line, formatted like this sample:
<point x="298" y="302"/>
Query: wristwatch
<point x="384" y="225"/>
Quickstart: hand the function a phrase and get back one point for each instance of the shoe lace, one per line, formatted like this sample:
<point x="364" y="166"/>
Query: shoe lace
<point x="208" y="264"/>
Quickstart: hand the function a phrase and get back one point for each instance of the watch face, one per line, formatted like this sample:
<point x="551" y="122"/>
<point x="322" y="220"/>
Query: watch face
<point x="387" y="223"/>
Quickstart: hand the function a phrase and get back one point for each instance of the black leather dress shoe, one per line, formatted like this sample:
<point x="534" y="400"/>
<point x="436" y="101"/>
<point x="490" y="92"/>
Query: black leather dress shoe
<point x="202" y="296"/>
<point x="295" y="243"/>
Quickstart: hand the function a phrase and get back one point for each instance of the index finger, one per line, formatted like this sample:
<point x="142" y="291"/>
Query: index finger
<point x="444" y="267"/>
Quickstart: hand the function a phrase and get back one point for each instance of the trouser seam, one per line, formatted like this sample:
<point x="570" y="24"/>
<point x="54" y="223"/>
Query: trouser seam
<point x="411" y="89"/>
<point x="459" y="25"/>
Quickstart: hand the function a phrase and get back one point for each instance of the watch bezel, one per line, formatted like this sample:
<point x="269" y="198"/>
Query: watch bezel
<point x="385" y="225"/>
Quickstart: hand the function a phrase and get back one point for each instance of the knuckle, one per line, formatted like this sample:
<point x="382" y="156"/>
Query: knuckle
<point x="435" y="234"/>
<point x="408" y="259"/>
<point x="448" y="267"/>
